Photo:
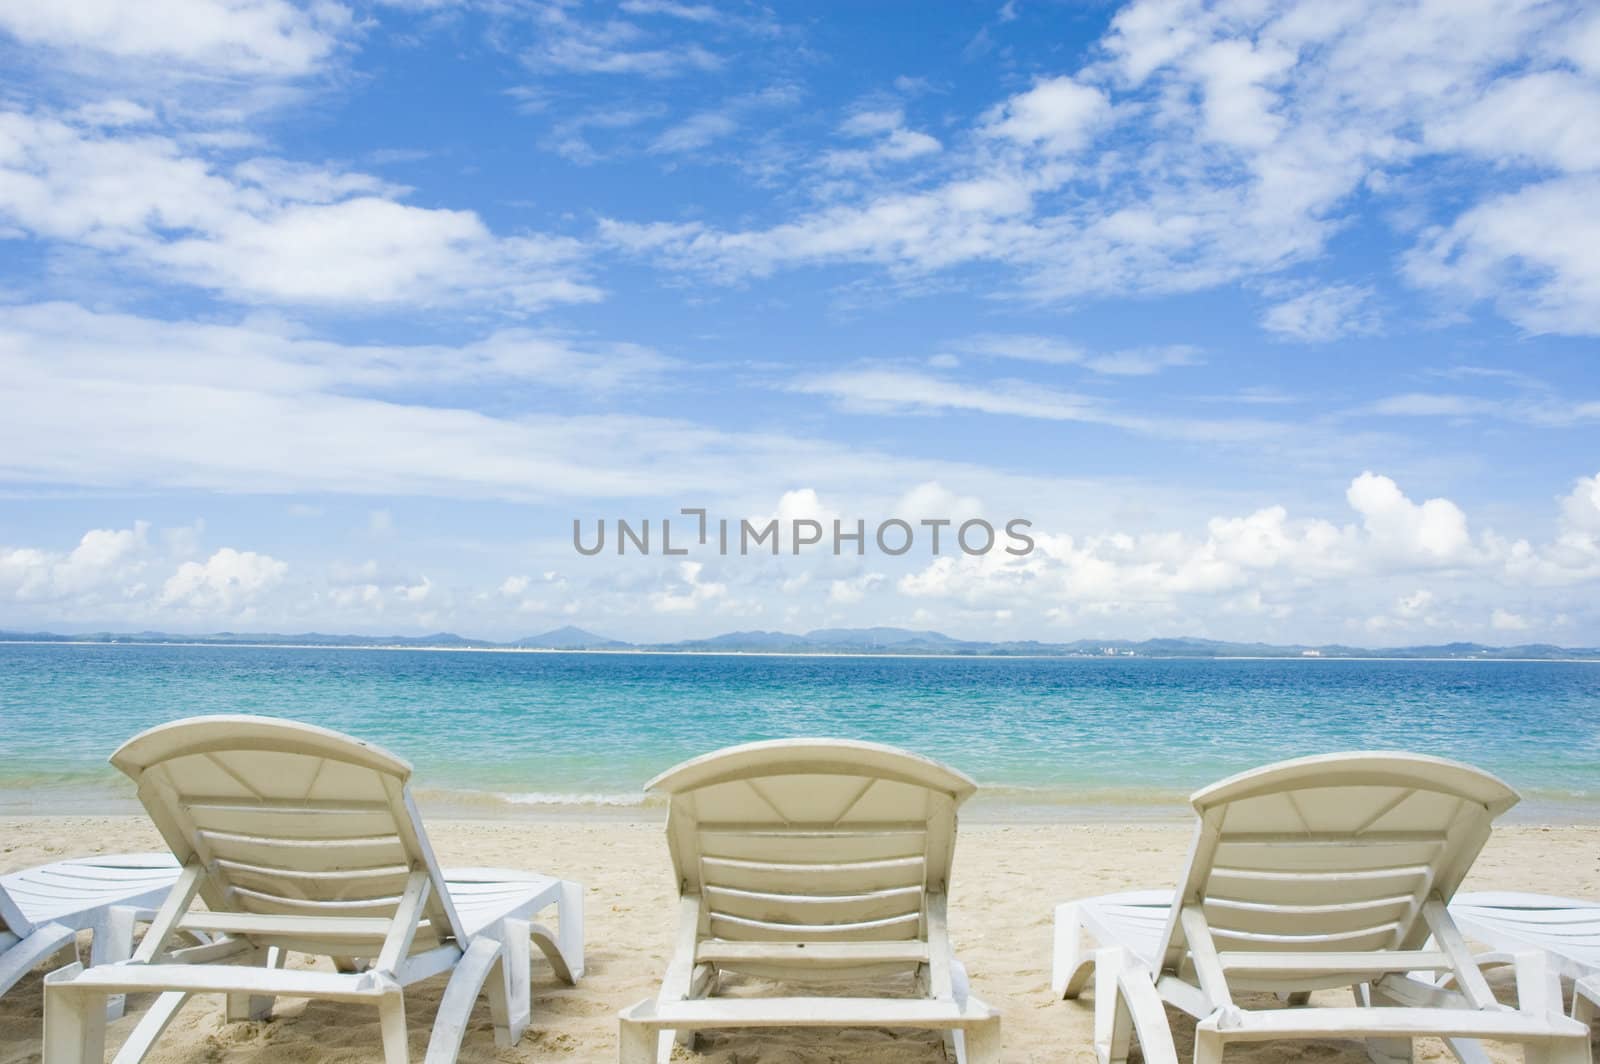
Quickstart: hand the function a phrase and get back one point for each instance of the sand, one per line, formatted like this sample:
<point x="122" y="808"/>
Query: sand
<point x="1008" y="878"/>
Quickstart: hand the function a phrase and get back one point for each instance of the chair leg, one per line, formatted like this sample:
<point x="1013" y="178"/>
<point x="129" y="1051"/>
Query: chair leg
<point x="511" y="994"/>
<point x="955" y="1040"/>
<point x="74" y="1021"/>
<point x="483" y="965"/>
<point x="255" y="1007"/>
<point x="1557" y="1051"/>
<point x="150" y="1026"/>
<point x="1113" y="1023"/>
<point x="569" y="935"/>
<point x="1208" y="1044"/>
<point x="20" y="958"/>
<point x="636" y="1043"/>
<point x="981" y="1042"/>
<point x="392" y="1022"/>
<point x="1383" y="1050"/>
<point x="1586" y="1000"/>
<point x="113" y="941"/>
<point x="1070" y="967"/>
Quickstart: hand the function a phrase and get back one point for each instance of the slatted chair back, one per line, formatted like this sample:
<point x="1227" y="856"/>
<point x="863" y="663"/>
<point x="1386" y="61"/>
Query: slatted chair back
<point x="305" y="838"/>
<point x="814" y="841"/>
<point x="1323" y="859"/>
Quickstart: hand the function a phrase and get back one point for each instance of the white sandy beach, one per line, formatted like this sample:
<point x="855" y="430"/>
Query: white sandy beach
<point x="1008" y="878"/>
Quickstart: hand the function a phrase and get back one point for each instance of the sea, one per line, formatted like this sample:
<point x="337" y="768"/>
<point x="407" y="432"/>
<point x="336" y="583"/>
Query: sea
<point x="550" y="733"/>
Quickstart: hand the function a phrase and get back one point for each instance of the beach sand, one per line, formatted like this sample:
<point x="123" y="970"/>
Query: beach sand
<point x="1007" y="882"/>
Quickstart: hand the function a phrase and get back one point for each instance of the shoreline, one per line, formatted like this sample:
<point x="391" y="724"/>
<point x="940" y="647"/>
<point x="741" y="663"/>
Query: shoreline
<point x="394" y="647"/>
<point x="994" y="812"/>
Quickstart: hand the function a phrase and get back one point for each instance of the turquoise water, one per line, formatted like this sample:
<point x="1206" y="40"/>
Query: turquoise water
<point x="1044" y="735"/>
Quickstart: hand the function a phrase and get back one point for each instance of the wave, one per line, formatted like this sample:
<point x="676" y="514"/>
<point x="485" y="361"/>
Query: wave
<point x="506" y="800"/>
<point x="559" y="798"/>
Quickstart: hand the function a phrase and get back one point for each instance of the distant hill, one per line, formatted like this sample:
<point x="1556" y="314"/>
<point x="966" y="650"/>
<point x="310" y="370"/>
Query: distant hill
<point x="570" y="638"/>
<point x="879" y="637"/>
<point x="880" y="640"/>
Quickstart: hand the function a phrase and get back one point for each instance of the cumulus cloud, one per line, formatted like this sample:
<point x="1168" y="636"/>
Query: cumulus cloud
<point x="689" y="592"/>
<point x="1506" y="621"/>
<point x="1434" y="531"/>
<point x="1057" y="115"/>
<point x="127" y="575"/>
<point x="1271" y="564"/>
<point x="224" y="582"/>
<point x="1393" y="569"/>
<point x="106" y="563"/>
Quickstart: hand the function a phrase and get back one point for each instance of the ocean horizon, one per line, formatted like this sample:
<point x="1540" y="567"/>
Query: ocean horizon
<point x="554" y="732"/>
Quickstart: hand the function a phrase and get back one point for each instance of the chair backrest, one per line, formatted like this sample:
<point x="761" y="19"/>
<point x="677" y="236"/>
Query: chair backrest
<point x="287" y="819"/>
<point x="812" y="839"/>
<point x="1333" y="854"/>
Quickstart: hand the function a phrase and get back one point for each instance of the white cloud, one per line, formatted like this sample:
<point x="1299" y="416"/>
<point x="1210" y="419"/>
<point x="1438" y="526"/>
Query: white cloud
<point x="1142" y="361"/>
<point x="1025" y="347"/>
<point x="1414" y="612"/>
<point x="1057" y="115"/>
<point x="106" y="563"/>
<point x="268" y="230"/>
<point x="1550" y="118"/>
<point x="1529" y="252"/>
<point x="853" y="590"/>
<point x="873" y="123"/>
<point x="689" y="592"/>
<point x="892" y="142"/>
<point x="221" y="36"/>
<point x="1433" y="531"/>
<point x="687" y="12"/>
<point x="224" y="582"/>
<point x="890" y="391"/>
<point x="1221" y="142"/>
<point x="1405" y="570"/>
<point x="614" y="46"/>
<point x="1506" y="621"/>
<point x="123" y="575"/>
<point x="694" y="133"/>
<point x="261" y="407"/>
<point x="1322" y="314"/>
<point x="1580" y="510"/>
<point x="1308" y="571"/>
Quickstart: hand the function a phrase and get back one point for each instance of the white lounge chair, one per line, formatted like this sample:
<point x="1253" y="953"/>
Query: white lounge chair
<point x="811" y="861"/>
<point x="1318" y="873"/>
<point x="1567" y="931"/>
<point x="42" y="909"/>
<point x="301" y="839"/>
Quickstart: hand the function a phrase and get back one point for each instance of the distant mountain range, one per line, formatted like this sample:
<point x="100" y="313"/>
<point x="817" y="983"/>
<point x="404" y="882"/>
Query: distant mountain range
<point x="838" y="641"/>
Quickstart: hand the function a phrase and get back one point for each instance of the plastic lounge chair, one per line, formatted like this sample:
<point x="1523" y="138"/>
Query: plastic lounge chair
<point x="811" y="861"/>
<point x="301" y="839"/>
<point x="1322" y="872"/>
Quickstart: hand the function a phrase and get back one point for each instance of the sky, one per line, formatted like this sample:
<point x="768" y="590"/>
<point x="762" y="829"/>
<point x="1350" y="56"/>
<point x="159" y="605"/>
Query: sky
<point x="1276" y="321"/>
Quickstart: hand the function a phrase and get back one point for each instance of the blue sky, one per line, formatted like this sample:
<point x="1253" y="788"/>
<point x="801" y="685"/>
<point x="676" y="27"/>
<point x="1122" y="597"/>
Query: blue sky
<point x="1278" y="321"/>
